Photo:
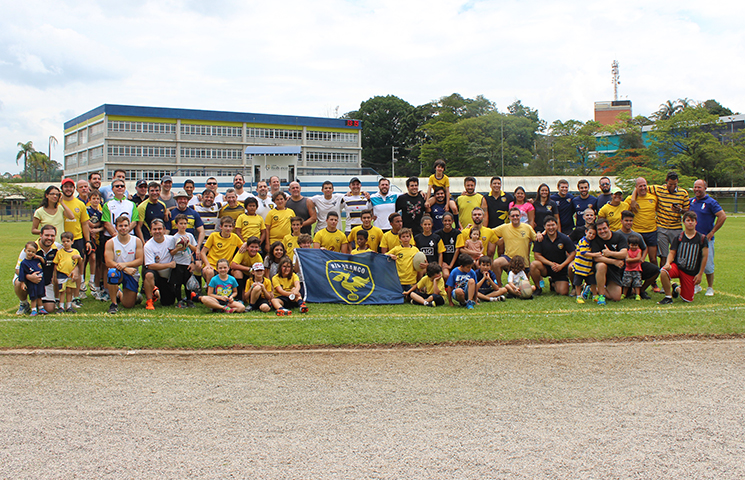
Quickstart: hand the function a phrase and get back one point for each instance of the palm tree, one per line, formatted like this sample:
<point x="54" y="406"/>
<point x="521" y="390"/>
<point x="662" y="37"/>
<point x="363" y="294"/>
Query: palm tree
<point x="27" y="149"/>
<point x="52" y="140"/>
<point x="667" y="110"/>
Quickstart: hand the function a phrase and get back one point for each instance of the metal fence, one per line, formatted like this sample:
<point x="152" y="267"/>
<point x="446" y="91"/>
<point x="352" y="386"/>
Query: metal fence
<point x="16" y="214"/>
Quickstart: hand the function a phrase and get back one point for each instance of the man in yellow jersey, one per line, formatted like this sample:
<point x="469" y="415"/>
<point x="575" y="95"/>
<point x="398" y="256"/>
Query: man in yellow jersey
<point x="468" y="200"/>
<point x="78" y="226"/>
<point x="645" y="216"/>
<point x="518" y="237"/>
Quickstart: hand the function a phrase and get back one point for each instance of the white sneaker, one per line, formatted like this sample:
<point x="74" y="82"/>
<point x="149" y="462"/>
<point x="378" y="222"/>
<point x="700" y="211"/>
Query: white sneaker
<point x="709" y="292"/>
<point x="697" y="289"/>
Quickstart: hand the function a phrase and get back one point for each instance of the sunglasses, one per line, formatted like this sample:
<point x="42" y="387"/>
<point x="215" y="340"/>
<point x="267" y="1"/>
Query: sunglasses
<point x="118" y="186"/>
<point x="211" y="183"/>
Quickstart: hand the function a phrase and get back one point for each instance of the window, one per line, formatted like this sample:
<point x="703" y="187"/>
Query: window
<point x="332" y="157"/>
<point x="214" y="153"/>
<point x="212" y="130"/>
<point x="314" y="135"/>
<point x="96" y="129"/>
<point x="96" y="153"/>
<point x="83" y="158"/>
<point x="141" y="151"/>
<point x="83" y="136"/>
<point x="71" y="139"/>
<point x="276" y="133"/>
<point x="71" y="160"/>
<point x="142" y="127"/>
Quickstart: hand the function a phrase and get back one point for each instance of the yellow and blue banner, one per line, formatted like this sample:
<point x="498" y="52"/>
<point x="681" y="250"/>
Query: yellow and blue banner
<point x="364" y="279"/>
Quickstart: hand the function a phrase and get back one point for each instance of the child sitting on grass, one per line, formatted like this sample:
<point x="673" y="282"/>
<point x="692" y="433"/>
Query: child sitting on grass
<point x="222" y="290"/>
<point x="486" y="284"/>
<point x="258" y="294"/>
<point x="428" y="291"/>
<point x="286" y="286"/>
<point x="516" y="276"/>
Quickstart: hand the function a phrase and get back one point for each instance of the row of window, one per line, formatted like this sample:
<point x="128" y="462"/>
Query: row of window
<point x="139" y="151"/>
<point x="142" y="127"/>
<point x="274" y="133"/>
<point x="331" y="157"/>
<point x="150" y="175"/>
<point x="216" y="153"/>
<point x="215" y="130"/>
<point x="331" y="136"/>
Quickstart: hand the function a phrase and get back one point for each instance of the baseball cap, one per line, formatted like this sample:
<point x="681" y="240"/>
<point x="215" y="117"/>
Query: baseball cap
<point x="67" y="180"/>
<point x="257" y="266"/>
<point x="617" y="190"/>
<point x="354" y="179"/>
<point x="181" y="193"/>
<point x="166" y="178"/>
<point x="141" y="183"/>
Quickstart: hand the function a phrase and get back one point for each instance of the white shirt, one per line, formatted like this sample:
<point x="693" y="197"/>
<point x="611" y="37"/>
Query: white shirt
<point x="265" y="206"/>
<point x="324" y="206"/>
<point x="159" y="253"/>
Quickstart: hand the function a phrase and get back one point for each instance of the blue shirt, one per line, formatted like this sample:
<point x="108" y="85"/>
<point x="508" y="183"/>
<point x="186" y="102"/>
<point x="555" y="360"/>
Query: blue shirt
<point x="223" y="287"/>
<point x="195" y="221"/>
<point x="580" y="205"/>
<point x="566" y="211"/>
<point x="459" y="279"/>
<point x="706" y="211"/>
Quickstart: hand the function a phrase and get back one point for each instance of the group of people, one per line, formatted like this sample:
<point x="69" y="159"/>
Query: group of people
<point x="158" y="246"/>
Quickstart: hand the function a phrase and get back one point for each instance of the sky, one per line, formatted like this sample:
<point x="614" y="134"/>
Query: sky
<point x="61" y="58"/>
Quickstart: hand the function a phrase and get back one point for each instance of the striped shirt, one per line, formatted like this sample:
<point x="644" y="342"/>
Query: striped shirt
<point x="666" y="218"/>
<point x="583" y="263"/>
<point x="688" y="252"/>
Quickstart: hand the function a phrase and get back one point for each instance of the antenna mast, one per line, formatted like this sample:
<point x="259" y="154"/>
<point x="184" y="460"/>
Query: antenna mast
<point x="616" y="79"/>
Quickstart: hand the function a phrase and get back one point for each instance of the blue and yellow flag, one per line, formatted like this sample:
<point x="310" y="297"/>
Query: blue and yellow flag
<point x="364" y="279"/>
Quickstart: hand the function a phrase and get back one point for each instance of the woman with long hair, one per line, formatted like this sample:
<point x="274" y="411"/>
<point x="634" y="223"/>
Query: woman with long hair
<point x="51" y="212"/>
<point x="527" y="211"/>
<point x="544" y="207"/>
<point x="271" y="262"/>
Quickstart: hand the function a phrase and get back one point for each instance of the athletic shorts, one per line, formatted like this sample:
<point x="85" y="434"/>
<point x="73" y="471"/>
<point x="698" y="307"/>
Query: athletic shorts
<point x="167" y="294"/>
<point x="261" y="301"/>
<point x="649" y="271"/>
<point x="287" y="303"/>
<point x="579" y="280"/>
<point x="664" y="240"/>
<point x="650" y="238"/>
<point x="65" y="283"/>
<point x="79" y="245"/>
<point x="127" y="281"/>
<point x="631" y="279"/>
<point x="560" y="276"/>
<point x="686" y="282"/>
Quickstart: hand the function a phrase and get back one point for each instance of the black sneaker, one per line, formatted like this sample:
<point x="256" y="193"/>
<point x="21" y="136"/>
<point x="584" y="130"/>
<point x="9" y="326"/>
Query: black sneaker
<point x="113" y="308"/>
<point x="645" y="296"/>
<point x="665" y="301"/>
<point x="675" y="290"/>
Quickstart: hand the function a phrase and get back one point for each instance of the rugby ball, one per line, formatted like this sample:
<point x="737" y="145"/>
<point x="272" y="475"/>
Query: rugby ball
<point x="526" y="290"/>
<point x="419" y="261"/>
<point x="183" y="241"/>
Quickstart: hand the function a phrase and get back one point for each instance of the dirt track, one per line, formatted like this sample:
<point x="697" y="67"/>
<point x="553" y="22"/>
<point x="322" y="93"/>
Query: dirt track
<point x="648" y="410"/>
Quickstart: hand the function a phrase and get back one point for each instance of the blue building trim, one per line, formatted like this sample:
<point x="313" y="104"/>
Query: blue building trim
<point x="210" y="115"/>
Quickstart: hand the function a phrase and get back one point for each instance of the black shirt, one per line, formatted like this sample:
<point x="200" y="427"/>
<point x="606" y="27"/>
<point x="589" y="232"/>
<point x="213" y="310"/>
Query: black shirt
<point x="498" y="208"/>
<point x="449" y="239"/>
<point x="428" y="246"/>
<point x="555" y="251"/>
<point x="550" y="209"/>
<point x="412" y="211"/>
<point x="616" y="243"/>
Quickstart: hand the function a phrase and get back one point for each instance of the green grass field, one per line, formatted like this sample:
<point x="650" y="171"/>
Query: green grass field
<point x="545" y="319"/>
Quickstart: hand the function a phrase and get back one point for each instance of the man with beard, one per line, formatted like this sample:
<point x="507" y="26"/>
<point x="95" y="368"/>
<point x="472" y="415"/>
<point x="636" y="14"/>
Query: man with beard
<point x="383" y="204"/>
<point x="583" y="201"/>
<point x="644" y="207"/>
<point x="488" y="238"/>
<point x="469" y="200"/>
<point x="303" y="207"/>
<point x="208" y="211"/>
<point x="158" y="266"/>
<point x="497" y="203"/>
<point x="80" y="230"/>
<point x="553" y="255"/>
<point x="566" y="208"/>
<point x="265" y="201"/>
<point x="608" y="250"/>
<point x="94" y="181"/>
<point x="238" y="183"/>
<point x="435" y="206"/>
<point x="604" y="197"/>
<point x="411" y="206"/>
<point x="518" y="238"/>
<point x="650" y="272"/>
<point x="47" y="250"/>
<point x="672" y="202"/>
<point x="151" y="209"/>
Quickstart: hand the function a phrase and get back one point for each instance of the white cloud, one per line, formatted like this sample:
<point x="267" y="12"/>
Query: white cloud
<point x="60" y="59"/>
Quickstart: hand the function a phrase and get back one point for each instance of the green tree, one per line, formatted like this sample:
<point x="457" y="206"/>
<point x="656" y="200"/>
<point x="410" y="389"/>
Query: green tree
<point x="387" y="122"/>
<point x="27" y="149"/>
<point x="575" y="146"/>
<point x="685" y="142"/>
<point x="716" y="108"/>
